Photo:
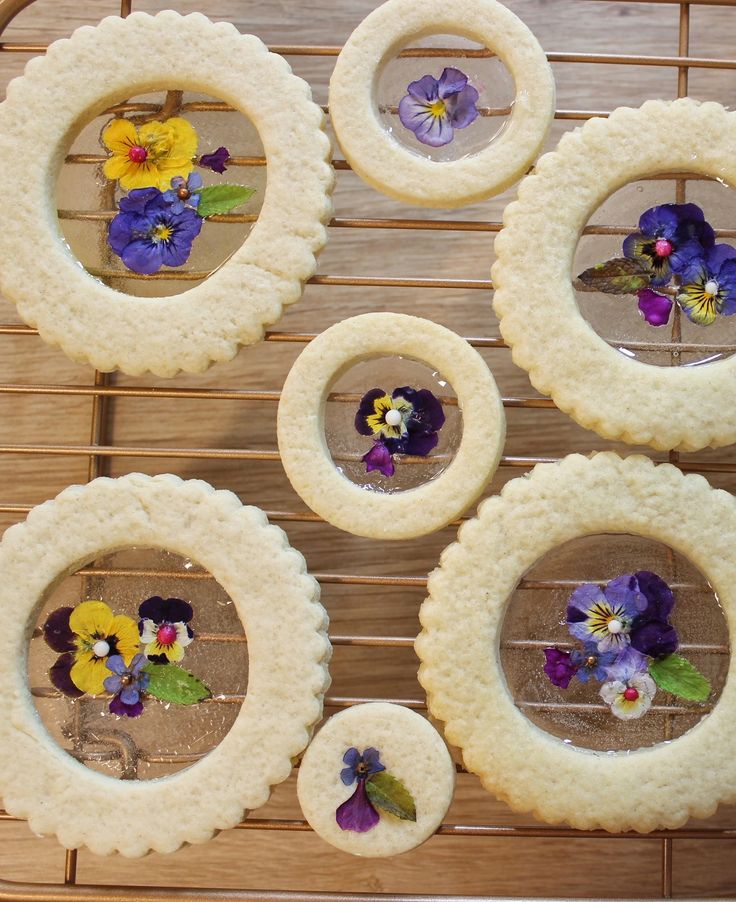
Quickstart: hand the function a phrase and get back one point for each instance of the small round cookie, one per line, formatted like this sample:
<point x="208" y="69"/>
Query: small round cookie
<point x="278" y="604"/>
<point x="392" y="168"/>
<point x="685" y="407"/>
<point x="378" y="513"/>
<point x="459" y="646"/>
<point x="376" y="780"/>
<point x="78" y="79"/>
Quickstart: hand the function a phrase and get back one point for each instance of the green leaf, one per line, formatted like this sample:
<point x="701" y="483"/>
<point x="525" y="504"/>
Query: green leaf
<point x="222" y="198"/>
<point x="677" y="675"/>
<point x="174" y="684"/>
<point x="618" y="276"/>
<point x="390" y="795"/>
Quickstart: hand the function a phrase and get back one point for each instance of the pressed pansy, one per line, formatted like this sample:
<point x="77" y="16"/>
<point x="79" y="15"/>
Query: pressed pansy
<point x="670" y="237"/>
<point x="149" y="156"/>
<point x="164" y="628"/>
<point x="631" y="698"/>
<point x="709" y="286"/>
<point x="88" y="635"/>
<point x="184" y="192"/>
<point x="215" y="161"/>
<point x="147" y="233"/>
<point x="433" y="108"/>
<point x="594" y="614"/>
<point x="126" y="683"/>
<point x="405" y="422"/>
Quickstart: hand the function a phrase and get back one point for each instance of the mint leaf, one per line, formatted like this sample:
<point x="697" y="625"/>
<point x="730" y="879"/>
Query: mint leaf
<point x="174" y="684"/>
<point x="222" y="198"/>
<point x="677" y="675"/>
<point x="390" y="795"/>
<point x="618" y="276"/>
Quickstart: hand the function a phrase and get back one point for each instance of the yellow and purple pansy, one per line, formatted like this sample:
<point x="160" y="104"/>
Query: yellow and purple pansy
<point x="149" y="156"/>
<point x="405" y="422"/>
<point x="709" y="286"/>
<point x="434" y="107"/>
<point x="164" y="628"/>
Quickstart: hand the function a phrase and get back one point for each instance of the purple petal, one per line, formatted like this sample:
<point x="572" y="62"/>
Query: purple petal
<point x="427" y="408"/>
<point x="117" y="706"/>
<point x="413" y="112"/>
<point x="137" y="664"/>
<point x="129" y="695"/>
<point x="352" y="757"/>
<point x="434" y="131"/>
<point x="57" y="632"/>
<point x="661" y="221"/>
<point x="372" y="760"/>
<point x="113" y="684"/>
<point x="559" y="667"/>
<point x="152" y="609"/>
<point x="420" y="444"/>
<point x="452" y="81"/>
<point x="623" y="591"/>
<point x="138" y="199"/>
<point x="655" y="638"/>
<point x="425" y="89"/>
<point x="142" y="256"/>
<point x="655" y="307"/>
<point x="581" y="600"/>
<point x="461" y="108"/>
<point x="347" y="775"/>
<point x="718" y="255"/>
<point x="194" y="183"/>
<point x="659" y="597"/>
<point x="60" y="676"/>
<point x="357" y="813"/>
<point x="686" y="258"/>
<point x="627" y="664"/>
<point x="366" y="409"/>
<point x="116" y="664"/>
<point x="379" y="458"/>
<point x="175" y="610"/>
<point x="215" y="161"/>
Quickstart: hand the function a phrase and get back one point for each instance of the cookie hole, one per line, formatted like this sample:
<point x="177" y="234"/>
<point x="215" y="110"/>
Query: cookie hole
<point x="485" y="72"/>
<point x="535" y="619"/>
<point x="616" y="317"/>
<point x="166" y="737"/>
<point x="182" y="248"/>
<point x="418" y="463"/>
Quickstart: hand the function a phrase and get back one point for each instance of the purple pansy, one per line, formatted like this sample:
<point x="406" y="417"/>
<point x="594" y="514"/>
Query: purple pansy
<point x="434" y="108"/>
<point x="602" y="617"/>
<point x="164" y="628"/>
<point x="628" y="663"/>
<point x="592" y="662"/>
<point x="670" y="238"/>
<point x="357" y="813"/>
<point x="709" y="285"/>
<point x="655" y="307"/>
<point x="126" y="684"/>
<point x="215" y="161"/>
<point x="559" y="667"/>
<point x="184" y="192"/>
<point x="406" y="422"/>
<point x="147" y="234"/>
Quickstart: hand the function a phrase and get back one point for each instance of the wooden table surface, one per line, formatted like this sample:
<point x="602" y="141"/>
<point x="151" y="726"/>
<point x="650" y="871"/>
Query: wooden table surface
<point x="300" y="861"/>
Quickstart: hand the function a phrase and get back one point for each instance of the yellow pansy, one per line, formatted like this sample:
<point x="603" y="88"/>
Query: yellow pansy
<point x="149" y="156"/>
<point x="99" y="634"/>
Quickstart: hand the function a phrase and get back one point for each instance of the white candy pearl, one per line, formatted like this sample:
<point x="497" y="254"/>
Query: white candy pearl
<point x="711" y="287"/>
<point x="393" y="417"/>
<point x="615" y="626"/>
<point x="101" y="648"/>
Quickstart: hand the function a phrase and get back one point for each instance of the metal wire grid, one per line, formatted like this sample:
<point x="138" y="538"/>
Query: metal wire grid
<point x="99" y="452"/>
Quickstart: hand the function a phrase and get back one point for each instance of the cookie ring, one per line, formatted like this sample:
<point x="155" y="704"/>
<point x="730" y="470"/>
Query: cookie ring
<point x="410" y="749"/>
<point x="463" y="616"/>
<point x="393" y="169"/>
<point x="618" y="397"/>
<point x="105" y="328"/>
<point x="288" y="645"/>
<point x="301" y="436"/>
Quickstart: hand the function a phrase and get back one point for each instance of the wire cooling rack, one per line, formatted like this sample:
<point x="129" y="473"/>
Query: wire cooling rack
<point x="373" y="577"/>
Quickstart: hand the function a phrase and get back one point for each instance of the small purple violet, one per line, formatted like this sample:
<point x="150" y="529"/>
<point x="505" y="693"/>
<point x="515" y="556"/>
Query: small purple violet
<point x="126" y="683"/>
<point x="357" y="813"/>
<point x="215" y="161"/>
<point x="184" y="192"/>
<point x="558" y="667"/>
<point x="433" y="108"/>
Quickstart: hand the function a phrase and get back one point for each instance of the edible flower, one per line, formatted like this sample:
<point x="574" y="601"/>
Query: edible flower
<point x="147" y="234"/>
<point x="357" y="813"/>
<point x="709" y="286"/>
<point x="149" y="156"/>
<point x="558" y="667"/>
<point x="184" y="192"/>
<point x="164" y="628"/>
<point x="216" y="160"/>
<point x="670" y="238"/>
<point x="434" y="108"/>
<point x="655" y="307"/>
<point x="87" y="636"/>
<point x="600" y="616"/>
<point x="126" y="684"/>
<point x="631" y="698"/>
<point x="592" y="662"/>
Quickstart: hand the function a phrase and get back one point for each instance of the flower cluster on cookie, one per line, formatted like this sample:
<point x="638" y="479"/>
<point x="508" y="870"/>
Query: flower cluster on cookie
<point x="433" y="108"/>
<point x="167" y="201"/>
<point x="672" y="259"/>
<point x="405" y="422"/>
<point x="100" y="652"/>
<point x="627" y="644"/>
<point x="377" y="791"/>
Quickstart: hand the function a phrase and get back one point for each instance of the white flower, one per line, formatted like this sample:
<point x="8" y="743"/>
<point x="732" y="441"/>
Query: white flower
<point x="631" y="699"/>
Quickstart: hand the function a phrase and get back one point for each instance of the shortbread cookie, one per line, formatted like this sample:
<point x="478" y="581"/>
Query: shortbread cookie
<point x="377" y="780"/>
<point x="75" y="81"/>
<point x="278" y="603"/>
<point x="391" y="167"/>
<point x="617" y="396"/>
<point x="463" y="616"/>
<point x="379" y="514"/>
